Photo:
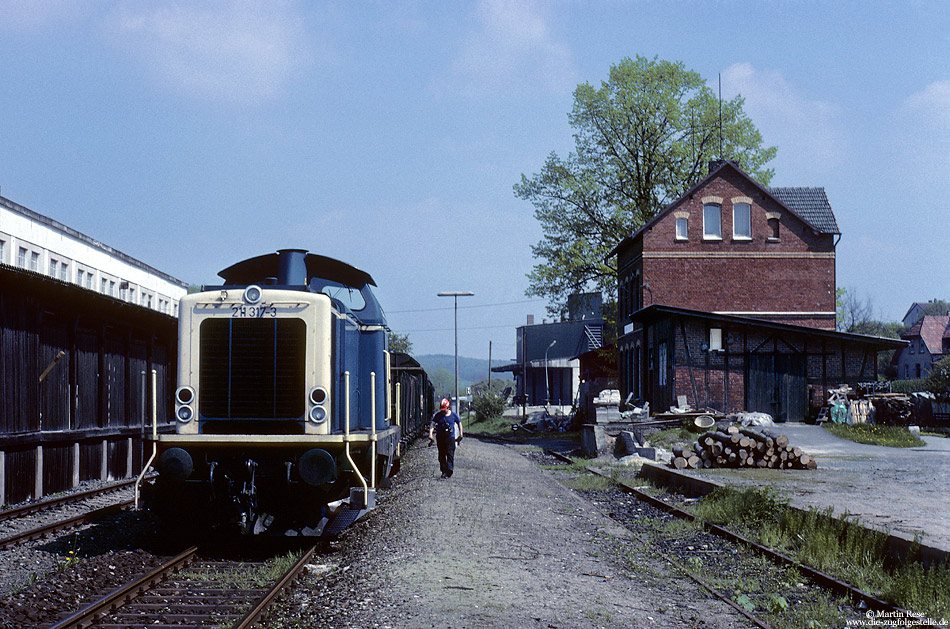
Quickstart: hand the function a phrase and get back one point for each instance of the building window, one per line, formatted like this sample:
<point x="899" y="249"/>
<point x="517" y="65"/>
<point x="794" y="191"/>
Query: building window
<point x="34" y="261"/>
<point x="715" y="339"/>
<point x="53" y="267"/>
<point x="3" y="251"/>
<point x="661" y="364"/>
<point x="742" y="221"/>
<point x="21" y="258"/>
<point x="773" y="227"/>
<point x="132" y="295"/>
<point x="910" y="348"/>
<point x="918" y="370"/>
<point x="681" y="228"/>
<point x="64" y="271"/>
<point x="712" y="222"/>
<point x="906" y="371"/>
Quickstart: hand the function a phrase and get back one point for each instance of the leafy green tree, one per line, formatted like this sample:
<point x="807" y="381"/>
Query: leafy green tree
<point x="400" y="343"/>
<point x="939" y="379"/>
<point x="642" y="139"/>
<point x="443" y="381"/>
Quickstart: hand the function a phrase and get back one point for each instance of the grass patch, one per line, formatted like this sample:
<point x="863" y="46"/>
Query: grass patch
<point x="671" y="437"/>
<point x="589" y="482"/>
<point x="495" y="426"/>
<point x="837" y="546"/>
<point x="876" y="435"/>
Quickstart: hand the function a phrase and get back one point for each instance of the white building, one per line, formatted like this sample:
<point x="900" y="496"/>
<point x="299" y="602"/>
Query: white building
<point x="34" y="242"/>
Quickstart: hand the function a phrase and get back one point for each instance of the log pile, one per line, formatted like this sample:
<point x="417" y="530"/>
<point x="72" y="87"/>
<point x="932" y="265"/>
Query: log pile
<point x="742" y="447"/>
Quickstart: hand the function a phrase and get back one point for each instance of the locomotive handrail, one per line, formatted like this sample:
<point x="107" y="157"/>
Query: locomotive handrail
<point x="372" y="430"/>
<point x="346" y="434"/>
<point x="151" y="459"/>
<point x="399" y="441"/>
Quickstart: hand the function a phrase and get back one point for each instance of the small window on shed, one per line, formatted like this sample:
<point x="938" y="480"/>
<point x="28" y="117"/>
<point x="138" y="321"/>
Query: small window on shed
<point x="742" y="221"/>
<point x="712" y="222"/>
<point x="773" y="228"/>
<point x="682" y="225"/>
<point x="715" y="339"/>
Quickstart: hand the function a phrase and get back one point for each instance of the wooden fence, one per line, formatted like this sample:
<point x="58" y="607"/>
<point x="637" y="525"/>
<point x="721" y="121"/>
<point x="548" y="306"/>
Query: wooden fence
<point x="72" y="395"/>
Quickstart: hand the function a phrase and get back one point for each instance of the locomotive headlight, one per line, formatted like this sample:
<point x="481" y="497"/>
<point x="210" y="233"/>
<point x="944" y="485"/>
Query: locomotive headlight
<point x="317" y="414"/>
<point x="184" y="414"/>
<point x="185" y="395"/>
<point x="253" y="295"/>
<point x="318" y="395"/>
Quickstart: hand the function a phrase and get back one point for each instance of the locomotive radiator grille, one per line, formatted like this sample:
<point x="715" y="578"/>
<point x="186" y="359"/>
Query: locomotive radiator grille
<point x="252" y="368"/>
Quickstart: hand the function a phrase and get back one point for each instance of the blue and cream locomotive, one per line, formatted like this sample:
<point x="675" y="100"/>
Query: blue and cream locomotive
<point x="283" y="421"/>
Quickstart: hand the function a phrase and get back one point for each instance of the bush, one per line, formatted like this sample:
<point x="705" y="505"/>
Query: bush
<point x="488" y="405"/>
<point x="939" y="379"/>
<point x="909" y="386"/>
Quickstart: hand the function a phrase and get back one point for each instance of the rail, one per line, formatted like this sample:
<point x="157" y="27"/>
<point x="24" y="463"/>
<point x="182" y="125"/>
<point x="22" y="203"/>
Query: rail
<point x="34" y="507"/>
<point x="87" y="616"/>
<point x="41" y="531"/>
<point x="254" y="615"/>
<point x="817" y="576"/>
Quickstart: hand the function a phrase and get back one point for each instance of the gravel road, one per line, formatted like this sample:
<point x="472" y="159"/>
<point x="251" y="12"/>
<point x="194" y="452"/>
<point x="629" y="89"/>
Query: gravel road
<point x="500" y="544"/>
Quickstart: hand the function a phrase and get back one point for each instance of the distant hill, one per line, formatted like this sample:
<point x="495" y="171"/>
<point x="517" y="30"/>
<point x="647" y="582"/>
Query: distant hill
<point x="471" y="370"/>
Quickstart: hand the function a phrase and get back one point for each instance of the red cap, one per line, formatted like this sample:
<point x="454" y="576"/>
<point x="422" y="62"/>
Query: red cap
<point x="445" y="404"/>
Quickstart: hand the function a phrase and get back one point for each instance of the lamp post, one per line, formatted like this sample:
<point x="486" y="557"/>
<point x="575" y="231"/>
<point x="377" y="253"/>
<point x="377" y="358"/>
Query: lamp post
<point x="455" y="296"/>
<point x="547" y="385"/>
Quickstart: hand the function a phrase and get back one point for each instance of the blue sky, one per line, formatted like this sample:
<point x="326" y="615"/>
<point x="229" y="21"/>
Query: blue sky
<point x="389" y="134"/>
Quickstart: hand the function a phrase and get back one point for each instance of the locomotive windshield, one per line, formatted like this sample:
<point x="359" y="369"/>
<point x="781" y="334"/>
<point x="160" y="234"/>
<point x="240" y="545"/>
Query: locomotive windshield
<point x="347" y="295"/>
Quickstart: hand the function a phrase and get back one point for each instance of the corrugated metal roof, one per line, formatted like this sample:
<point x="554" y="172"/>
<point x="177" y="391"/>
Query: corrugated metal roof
<point x="811" y="204"/>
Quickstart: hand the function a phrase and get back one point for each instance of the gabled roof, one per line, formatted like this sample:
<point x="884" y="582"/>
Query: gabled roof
<point x="810" y="205"/>
<point x="931" y="329"/>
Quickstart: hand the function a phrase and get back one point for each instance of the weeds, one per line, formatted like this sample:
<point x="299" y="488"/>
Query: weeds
<point x="838" y="546"/>
<point x="876" y="435"/>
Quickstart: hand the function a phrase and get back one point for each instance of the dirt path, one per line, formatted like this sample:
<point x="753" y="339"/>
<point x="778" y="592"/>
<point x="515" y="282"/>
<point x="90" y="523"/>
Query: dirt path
<point x="500" y="544"/>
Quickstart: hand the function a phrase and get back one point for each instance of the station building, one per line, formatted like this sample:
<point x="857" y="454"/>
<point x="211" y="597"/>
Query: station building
<point x="727" y="300"/>
<point x="34" y="242"/>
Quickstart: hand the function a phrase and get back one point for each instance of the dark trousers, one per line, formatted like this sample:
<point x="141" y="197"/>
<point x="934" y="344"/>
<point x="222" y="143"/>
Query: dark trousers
<point x="446" y="445"/>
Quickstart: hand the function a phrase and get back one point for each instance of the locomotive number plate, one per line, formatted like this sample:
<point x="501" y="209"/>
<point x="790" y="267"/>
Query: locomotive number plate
<point x="259" y="311"/>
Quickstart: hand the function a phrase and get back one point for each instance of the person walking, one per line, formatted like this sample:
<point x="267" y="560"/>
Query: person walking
<point x="445" y="429"/>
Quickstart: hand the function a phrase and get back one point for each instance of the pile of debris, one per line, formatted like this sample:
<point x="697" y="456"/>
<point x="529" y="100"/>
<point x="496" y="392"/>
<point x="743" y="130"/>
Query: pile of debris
<point x="869" y="404"/>
<point x="742" y="447"/>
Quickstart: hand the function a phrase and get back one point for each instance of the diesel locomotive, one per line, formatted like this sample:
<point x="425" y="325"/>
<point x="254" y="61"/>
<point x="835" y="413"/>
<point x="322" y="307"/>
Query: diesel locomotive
<point x="285" y="420"/>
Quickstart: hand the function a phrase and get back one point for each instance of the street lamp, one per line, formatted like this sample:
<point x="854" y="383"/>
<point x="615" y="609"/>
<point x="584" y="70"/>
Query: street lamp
<point x="547" y="386"/>
<point x="455" y="295"/>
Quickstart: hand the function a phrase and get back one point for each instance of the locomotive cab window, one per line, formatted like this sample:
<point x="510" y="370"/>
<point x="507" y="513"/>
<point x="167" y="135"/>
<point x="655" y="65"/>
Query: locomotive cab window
<point x="351" y="297"/>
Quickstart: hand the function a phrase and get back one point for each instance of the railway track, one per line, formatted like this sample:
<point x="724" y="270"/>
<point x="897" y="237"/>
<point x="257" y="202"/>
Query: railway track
<point x="190" y="592"/>
<point x="862" y="599"/>
<point x="51" y="503"/>
<point x="39" y="519"/>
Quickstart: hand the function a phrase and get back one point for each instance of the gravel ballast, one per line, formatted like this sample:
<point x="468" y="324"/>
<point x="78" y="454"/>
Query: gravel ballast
<point x="500" y="544"/>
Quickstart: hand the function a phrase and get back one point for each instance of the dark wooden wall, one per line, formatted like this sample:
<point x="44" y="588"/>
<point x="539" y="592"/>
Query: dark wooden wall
<point x="84" y="419"/>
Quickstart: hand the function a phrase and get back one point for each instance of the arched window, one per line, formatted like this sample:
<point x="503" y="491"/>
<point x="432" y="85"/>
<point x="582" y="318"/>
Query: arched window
<point x="712" y="221"/>
<point x="742" y="221"/>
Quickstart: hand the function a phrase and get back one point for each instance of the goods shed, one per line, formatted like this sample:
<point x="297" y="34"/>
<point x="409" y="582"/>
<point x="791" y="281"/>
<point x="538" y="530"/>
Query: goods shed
<point x="72" y="397"/>
<point x="731" y="363"/>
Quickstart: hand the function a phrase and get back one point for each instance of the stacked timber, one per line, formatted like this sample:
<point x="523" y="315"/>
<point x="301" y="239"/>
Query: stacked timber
<point x="742" y="447"/>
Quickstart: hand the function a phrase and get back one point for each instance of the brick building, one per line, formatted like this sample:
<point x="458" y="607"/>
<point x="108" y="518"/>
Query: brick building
<point x="727" y="297"/>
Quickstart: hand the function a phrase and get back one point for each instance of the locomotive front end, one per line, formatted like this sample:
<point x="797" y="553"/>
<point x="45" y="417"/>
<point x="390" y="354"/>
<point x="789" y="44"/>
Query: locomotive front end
<point x="281" y="410"/>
